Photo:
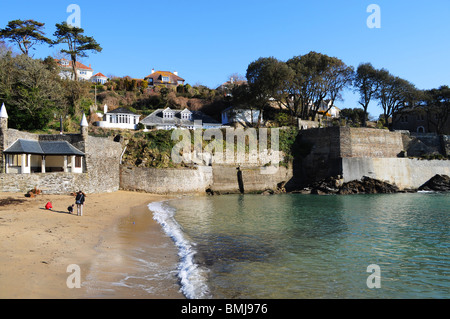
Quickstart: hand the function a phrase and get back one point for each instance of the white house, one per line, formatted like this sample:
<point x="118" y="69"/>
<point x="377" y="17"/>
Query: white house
<point x="121" y="118"/>
<point x="244" y="117"/>
<point x="327" y="109"/>
<point x="83" y="72"/>
<point x="99" y="78"/>
<point x="168" y="119"/>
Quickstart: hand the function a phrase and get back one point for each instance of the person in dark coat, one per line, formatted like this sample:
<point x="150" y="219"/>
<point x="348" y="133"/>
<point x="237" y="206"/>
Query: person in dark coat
<point x="79" y="200"/>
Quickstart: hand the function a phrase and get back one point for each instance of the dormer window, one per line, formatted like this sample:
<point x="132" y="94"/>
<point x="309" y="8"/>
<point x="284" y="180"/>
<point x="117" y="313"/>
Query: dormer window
<point x="186" y="115"/>
<point x="168" y="114"/>
<point x="166" y="79"/>
<point x="64" y="62"/>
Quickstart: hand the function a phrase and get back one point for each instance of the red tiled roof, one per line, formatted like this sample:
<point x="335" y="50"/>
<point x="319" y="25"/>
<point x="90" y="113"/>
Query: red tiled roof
<point x="155" y="75"/>
<point x="78" y="65"/>
<point x="100" y="75"/>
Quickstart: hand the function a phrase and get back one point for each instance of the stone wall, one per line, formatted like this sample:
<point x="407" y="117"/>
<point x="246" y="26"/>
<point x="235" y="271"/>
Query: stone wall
<point x="323" y="160"/>
<point x="358" y="152"/>
<point x="218" y="178"/>
<point x="166" y="181"/>
<point x="403" y="172"/>
<point x="253" y="178"/>
<point x="368" y="142"/>
<point x="445" y="140"/>
<point x="101" y="166"/>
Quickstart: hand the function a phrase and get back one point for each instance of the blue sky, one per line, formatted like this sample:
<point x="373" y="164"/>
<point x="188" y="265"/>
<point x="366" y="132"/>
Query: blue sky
<point x="206" y="41"/>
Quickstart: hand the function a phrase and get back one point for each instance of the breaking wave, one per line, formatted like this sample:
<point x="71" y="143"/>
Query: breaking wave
<point x="193" y="279"/>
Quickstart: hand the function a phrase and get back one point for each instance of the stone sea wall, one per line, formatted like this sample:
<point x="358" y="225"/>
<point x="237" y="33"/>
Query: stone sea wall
<point x="166" y="181"/>
<point x="217" y="178"/>
<point x="405" y="173"/>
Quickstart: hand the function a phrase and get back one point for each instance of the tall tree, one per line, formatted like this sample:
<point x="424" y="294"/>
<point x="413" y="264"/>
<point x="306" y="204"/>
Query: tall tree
<point x="437" y="107"/>
<point x="78" y="44"/>
<point x="267" y="80"/>
<point x="336" y="78"/>
<point x="393" y="94"/>
<point x="317" y="77"/>
<point x="25" y="34"/>
<point x="30" y="90"/>
<point x="366" y="82"/>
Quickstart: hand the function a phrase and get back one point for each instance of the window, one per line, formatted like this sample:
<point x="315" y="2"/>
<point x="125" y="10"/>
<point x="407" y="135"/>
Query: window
<point x="14" y="160"/>
<point x="78" y="161"/>
<point x="404" y="119"/>
<point x="166" y="79"/>
<point x="168" y="115"/>
<point x="186" y="116"/>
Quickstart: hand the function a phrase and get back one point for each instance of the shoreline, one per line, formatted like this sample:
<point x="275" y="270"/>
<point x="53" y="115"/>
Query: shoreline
<point x="37" y="245"/>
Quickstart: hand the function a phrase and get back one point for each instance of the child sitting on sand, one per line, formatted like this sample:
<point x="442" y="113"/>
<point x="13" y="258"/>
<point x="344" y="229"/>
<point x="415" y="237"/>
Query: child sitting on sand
<point x="70" y="208"/>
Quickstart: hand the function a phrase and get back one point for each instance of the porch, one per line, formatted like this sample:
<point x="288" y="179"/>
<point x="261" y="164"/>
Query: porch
<point x="25" y="157"/>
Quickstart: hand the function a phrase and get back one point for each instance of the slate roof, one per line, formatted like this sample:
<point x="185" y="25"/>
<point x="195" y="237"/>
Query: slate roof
<point x="43" y="148"/>
<point x="122" y="110"/>
<point x="156" y="118"/>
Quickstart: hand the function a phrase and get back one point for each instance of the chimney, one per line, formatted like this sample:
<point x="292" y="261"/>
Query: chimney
<point x="153" y="71"/>
<point x="105" y="109"/>
<point x="175" y="72"/>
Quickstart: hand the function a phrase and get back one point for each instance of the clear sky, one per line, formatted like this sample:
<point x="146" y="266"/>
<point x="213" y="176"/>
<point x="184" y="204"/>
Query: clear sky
<point x="208" y="40"/>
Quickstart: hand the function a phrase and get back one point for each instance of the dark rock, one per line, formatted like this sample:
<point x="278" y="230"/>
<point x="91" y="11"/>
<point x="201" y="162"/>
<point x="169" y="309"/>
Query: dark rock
<point x="268" y="192"/>
<point x="368" y="186"/>
<point x="438" y="183"/>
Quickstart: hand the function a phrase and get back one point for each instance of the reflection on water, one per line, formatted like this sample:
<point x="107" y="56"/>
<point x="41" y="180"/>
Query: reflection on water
<point x="305" y="246"/>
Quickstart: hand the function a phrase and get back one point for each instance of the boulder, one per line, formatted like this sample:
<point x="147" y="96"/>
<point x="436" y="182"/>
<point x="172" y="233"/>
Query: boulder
<point x="438" y="183"/>
<point x="368" y="185"/>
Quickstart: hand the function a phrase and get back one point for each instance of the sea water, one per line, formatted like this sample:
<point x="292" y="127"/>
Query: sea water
<point x="309" y="246"/>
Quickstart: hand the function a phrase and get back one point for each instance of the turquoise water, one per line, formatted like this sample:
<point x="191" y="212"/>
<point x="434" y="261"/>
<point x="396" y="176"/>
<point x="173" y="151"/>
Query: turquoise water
<point x="308" y="246"/>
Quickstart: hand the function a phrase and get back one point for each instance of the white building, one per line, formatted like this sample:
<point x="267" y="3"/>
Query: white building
<point x="168" y="119"/>
<point x="120" y="118"/>
<point x="240" y="116"/>
<point x="327" y="109"/>
<point x="83" y="72"/>
<point x="99" y="78"/>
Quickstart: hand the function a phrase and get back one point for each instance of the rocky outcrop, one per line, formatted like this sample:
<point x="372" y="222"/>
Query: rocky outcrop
<point x="335" y="185"/>
<point x="368" y="186"/>
<point x="438" y="183"/>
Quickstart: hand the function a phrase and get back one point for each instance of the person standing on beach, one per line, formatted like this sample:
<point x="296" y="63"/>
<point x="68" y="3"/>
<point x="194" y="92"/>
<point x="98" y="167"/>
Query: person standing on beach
<point x="79" y="200"/>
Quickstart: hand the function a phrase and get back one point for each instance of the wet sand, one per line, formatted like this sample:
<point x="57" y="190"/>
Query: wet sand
<point x="121" y="251"/>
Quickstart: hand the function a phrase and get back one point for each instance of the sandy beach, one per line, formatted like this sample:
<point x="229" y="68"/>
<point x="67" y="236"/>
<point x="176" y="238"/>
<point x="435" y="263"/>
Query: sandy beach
<point x="121" y="251"/>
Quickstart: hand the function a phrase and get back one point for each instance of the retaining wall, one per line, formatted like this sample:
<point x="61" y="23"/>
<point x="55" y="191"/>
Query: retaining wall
<point x="404" y="172"/>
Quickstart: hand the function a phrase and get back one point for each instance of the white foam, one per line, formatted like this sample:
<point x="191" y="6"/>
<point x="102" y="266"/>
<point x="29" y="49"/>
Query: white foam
<point x="192" y="277"/>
